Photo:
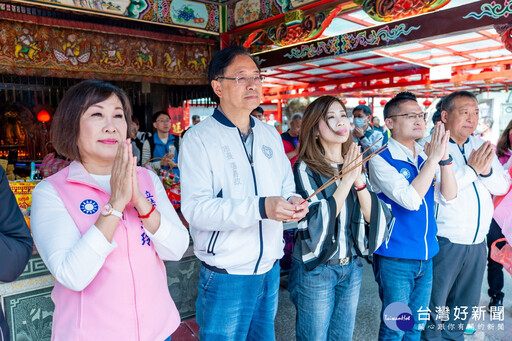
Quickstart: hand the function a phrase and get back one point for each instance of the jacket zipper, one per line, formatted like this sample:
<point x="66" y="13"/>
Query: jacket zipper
<point x="477" y="197"/>
<point x="251" y="162"/>
<point x="426" y="229"/>
<point x="426" y="212"/>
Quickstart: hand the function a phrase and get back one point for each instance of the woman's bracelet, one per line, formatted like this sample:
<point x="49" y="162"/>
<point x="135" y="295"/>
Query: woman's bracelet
<point x="360" y="188"/>
<point x="146" y="216"/>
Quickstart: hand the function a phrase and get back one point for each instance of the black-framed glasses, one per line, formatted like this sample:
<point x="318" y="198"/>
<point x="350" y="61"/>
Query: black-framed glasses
<point x="244" y="80"/>
<point x="412" y="116"/>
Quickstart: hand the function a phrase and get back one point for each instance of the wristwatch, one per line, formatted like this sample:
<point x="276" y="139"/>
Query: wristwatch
<point x="109" y="210"/>
<point x="446" y="162"/>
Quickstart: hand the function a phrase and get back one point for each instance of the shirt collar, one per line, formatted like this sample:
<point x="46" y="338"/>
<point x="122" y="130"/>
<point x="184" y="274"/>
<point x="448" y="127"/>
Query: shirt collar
<point x="222" y="118"/>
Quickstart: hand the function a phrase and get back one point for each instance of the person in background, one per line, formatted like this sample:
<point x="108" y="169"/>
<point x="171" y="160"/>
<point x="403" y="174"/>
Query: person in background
<point x="136" y="142"/>
<point x="271" y="120"/>
<point x="258" y="113"/>
<point x="326" y="273"/>
<point x="409" y="178"/>
<point x="103" y="226"/>
<point x="376" y="124"/>
<point x="291" y="138"/>
<point x="162" y="145"/>
<point x="15" y="242"/>
<point x="494" y="269"/>
<point x="363" y="133"/>
<point x="484" y="129"/>
<point x="195" y="119"/>
<point x="278" y="127"/>
<point x="463" y="223"/>
<point x="237" y="188"/>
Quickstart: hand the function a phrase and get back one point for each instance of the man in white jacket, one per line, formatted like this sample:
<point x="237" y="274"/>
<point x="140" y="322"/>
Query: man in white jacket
<point x="463" y="222"/>
<point x="237" y="188"/>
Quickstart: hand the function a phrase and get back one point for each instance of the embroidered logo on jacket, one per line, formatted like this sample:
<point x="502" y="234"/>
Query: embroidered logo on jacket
<point x="405" y="172"/>
<point x="267" y="151"/>
<point x="89" y="206"/>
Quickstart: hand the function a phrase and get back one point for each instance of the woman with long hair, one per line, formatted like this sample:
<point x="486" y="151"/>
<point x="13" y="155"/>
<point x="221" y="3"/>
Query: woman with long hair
<point x="326" y="269"/>
<point x="504" y="146"/>
<point x="494" y="269"/>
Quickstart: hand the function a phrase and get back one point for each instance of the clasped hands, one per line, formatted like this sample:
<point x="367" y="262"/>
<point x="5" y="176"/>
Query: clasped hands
<point x="124" y="183"/>
<point x="280" y="209"/>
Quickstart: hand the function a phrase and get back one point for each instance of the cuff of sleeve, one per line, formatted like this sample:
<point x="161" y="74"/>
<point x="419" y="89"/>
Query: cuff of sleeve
<point x="415" y="199"/>
<point x="487" y="175"/>
<point x="474" y="171"/>
<point x="263" y="212"/>
<point x="97" y="241"/>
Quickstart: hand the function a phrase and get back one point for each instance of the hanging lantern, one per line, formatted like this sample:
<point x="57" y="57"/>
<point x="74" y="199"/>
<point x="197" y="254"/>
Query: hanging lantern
<point x="362" y="102"/>
<point x="383" y="102"/>
<point x="427" y="102"/>
<point x="43" y="116"/>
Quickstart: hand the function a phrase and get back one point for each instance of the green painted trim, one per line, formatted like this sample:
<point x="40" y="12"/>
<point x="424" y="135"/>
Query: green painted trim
<point x="223" y="17"/>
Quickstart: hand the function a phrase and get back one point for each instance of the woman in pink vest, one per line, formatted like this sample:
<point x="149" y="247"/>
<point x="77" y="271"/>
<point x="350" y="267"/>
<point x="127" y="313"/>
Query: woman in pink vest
<point x="103" y="226"/>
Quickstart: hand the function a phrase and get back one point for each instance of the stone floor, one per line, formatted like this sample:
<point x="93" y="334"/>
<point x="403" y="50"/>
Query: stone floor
<point x="367" y="319"/>
<point x="368" y="311"/>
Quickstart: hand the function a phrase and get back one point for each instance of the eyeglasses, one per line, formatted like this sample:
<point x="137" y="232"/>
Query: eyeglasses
<point x="244" y="80"/>
<point x="412" y="116"/>
<point x="164" y="121"/>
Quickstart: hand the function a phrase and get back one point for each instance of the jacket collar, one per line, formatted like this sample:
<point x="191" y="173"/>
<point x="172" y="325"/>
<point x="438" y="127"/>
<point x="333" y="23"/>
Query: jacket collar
<point x="78" y="173"/>
<point x="397" y="153"/>
<point x="157" y="140"/>
<point x="452" y="141"/>
<point x="222" y="119"/>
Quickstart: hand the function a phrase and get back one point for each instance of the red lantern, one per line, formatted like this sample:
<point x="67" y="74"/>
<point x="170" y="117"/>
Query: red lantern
<point x="383" y="102"/>
<point x="43" y="116"/>
<point x="362" y="102"/>
<point x="427" y="102"/>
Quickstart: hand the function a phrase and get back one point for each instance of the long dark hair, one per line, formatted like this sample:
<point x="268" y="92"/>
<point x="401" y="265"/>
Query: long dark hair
<point x="503" y="144"/>
<point x="310" y="149"/>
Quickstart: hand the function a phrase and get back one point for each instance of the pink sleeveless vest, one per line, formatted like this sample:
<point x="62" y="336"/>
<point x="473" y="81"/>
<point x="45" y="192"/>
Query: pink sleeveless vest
<point x="129" y="298"/>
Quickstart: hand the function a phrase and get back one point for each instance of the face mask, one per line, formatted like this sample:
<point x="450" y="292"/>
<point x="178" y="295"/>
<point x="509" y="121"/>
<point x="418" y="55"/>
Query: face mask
<point x="359" y="122"/>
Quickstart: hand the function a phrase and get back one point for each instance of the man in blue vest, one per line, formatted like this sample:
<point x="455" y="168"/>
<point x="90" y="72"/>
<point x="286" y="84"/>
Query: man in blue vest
<point x="407" y="178"/>
<point x="162" y="145"/>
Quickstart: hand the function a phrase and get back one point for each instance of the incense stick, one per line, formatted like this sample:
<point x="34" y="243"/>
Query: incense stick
<point x="364" y="151"/>
<point x="343" y="172"/>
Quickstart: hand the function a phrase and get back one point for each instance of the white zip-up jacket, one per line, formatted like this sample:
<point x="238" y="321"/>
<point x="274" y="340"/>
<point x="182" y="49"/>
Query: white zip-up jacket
<point x="466" y="219"/>
<point x="223" y="193"/>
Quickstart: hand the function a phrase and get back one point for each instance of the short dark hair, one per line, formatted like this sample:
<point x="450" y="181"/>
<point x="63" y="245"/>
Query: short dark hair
<point x="259" y="109"/>
<point x="196" y="117"/>
<point x="223" y="58"/>
<point x="66" y="122"/>
<point x="392" y="107"/>
<point x="157" y="115"/>
<point x="448" y="101"/>
<point x="135" y="120"/>
<point x="364" y="108"/>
